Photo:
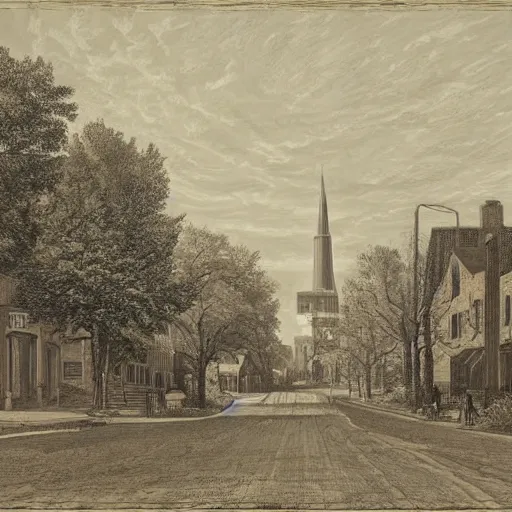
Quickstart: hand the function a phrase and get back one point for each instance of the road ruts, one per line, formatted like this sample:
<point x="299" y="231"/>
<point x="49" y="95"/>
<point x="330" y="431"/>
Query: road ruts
<point x="286" y="450"/>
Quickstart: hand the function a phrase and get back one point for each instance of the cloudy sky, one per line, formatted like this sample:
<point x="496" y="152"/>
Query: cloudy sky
<point x="399" y="108"/>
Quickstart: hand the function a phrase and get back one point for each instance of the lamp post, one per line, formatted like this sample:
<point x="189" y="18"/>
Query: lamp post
<point x="416" y="362"/>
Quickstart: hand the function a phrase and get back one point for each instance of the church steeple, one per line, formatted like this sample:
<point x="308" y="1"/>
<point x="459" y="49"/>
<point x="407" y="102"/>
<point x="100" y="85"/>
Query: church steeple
<point x="323" y="272"/>
<point x="323" y="217"/>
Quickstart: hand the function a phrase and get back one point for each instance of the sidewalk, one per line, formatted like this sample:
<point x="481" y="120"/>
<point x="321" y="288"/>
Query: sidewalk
<point x="28" y="420"/>
<point x="18" y="418"/>
<point x="414" y="417"/>
<point x="399" y="412"/>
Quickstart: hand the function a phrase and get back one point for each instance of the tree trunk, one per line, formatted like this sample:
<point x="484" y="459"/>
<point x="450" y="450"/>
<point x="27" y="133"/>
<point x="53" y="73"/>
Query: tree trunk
<point x="408" y="370"/>
<point x="94" y="374"/>
<point x="349" y="379"/>
<point x="359" y="386"/>
<point x="368" y="380"/>
<point x="219" y="379"/>
<point x="333" y="378"/>
<point x="105" y="377"/>
<point x="416" y="376"/>
<point x="123" y="390"/>
<point x="96" y="356"/>
<point x="201" y="386"/>
<point x="428" y="367"/>
<point x="383" y="375"/>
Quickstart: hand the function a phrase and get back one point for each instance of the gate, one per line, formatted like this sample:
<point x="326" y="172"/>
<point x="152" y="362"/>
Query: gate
<point x="155" y="401"/>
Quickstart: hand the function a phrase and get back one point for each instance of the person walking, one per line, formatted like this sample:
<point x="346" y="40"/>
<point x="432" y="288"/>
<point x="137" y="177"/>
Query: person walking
<point x="436" y="399"/>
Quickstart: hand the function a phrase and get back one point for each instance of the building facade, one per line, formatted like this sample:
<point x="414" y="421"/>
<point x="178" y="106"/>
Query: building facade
<point x="35" y="359"/>
<point x="470" y="309"/>
<point x="40" y="366"/>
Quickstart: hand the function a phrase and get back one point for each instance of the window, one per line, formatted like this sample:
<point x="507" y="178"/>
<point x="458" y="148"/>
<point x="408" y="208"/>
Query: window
<point x="455" y="279"/>
<point x="457" y="322"/>
<point x="478" y="312"/>
<point x="18" y="320"/>
<point x="72" y="370"/>
<point x="455" y="326"/>
<point x="507" y="310"/>
<point x="304" y="307"/>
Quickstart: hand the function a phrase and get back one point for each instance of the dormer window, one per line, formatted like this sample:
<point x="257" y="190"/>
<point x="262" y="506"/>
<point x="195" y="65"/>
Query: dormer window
<point x="455" y="279"/>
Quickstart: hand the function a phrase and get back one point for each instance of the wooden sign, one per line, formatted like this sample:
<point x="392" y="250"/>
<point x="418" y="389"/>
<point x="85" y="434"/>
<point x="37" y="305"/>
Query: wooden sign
<point x="72" y="370"/>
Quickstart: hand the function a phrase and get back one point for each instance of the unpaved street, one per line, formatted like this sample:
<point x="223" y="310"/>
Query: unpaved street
<point x="283" y="451"/>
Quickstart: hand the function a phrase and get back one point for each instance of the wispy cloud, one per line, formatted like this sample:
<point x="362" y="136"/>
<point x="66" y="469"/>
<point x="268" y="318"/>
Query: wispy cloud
<point x="398" y="108"/>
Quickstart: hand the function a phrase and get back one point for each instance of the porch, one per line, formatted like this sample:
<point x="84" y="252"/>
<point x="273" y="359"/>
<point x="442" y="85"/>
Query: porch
<point x="467" y="369"/>
<point x="129" y="387"/>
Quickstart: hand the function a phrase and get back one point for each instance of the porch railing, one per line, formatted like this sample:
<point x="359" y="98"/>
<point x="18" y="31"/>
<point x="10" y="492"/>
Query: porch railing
<point x="137" y="373"/>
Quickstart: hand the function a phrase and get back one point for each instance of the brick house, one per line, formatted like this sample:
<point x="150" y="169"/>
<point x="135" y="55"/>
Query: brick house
<point x="457" y="308"/>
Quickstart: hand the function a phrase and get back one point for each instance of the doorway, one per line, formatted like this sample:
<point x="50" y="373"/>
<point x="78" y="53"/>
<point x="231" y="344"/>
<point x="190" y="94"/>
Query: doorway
<point x="23" y="367"/>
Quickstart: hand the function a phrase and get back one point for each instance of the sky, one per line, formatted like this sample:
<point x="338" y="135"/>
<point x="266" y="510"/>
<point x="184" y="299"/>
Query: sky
<point x="247" y="106"/>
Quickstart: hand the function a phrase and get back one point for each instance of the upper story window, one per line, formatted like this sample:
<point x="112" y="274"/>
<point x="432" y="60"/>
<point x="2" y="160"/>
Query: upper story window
<point x="478" y="313"/>
<point x="457" y="324"/>
<point x="18" y="320"/>
<point x="507" y="310"/>
<point x="455" y="279"/>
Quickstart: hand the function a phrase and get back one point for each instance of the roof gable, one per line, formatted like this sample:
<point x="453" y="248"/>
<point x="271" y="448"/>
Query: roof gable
<point x="473" y="258"/>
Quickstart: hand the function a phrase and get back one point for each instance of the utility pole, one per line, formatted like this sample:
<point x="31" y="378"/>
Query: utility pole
<point x="416" y="381"/>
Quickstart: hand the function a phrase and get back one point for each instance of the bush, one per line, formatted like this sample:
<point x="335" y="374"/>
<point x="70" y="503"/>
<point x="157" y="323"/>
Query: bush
<point x="397" y="396"/>
<point x="72" y="396"/>
<point x="187" y="412"/>
<point x="498" y="416"/>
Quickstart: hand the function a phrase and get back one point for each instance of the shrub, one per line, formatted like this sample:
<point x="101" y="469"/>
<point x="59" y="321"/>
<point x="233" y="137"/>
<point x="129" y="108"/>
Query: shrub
<point x="498" y="416"/>
<point x="396" y="396"/>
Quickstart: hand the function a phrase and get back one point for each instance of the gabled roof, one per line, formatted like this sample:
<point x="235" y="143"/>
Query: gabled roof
<point x="473" y="258"/>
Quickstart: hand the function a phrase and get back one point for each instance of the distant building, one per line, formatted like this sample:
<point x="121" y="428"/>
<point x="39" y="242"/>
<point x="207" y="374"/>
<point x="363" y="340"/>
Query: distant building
<point x="303" y="352"/>
<point x="319" y="307"/>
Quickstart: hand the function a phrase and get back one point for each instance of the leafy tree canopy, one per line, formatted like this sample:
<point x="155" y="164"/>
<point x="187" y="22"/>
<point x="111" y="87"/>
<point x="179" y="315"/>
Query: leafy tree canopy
<point x="105" y="259"/>
<point x="34" y="112"/>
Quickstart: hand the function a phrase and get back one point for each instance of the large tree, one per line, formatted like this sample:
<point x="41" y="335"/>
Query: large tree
<point x="233" y="303"/>
<point x="104" y="261"/>
<point x="385" y="276"/>
<point x="367" y="339"/>
<point x="34" y="113"/>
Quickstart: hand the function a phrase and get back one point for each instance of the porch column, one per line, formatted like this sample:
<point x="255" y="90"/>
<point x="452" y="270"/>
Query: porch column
<point x="58" y="371"/>
<point x="84" y="369"/>
<point x="39" y="369"/>
<point x="8" y="383"/>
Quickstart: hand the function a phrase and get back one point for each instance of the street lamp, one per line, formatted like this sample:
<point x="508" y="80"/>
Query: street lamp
<point x="437" y="208"/>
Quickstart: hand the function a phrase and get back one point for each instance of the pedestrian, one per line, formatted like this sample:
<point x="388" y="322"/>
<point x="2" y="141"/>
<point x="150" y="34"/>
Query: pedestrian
<point x="436" y="399"/>
<point x="469" y="409"/>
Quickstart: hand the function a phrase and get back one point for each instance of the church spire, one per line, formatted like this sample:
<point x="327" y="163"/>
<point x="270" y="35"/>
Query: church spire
<point x="323" y="217"/>
<point x="323" y="272"/>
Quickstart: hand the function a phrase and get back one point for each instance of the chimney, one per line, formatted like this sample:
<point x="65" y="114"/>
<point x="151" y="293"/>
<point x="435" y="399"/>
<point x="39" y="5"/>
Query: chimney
<point x="491" y="216"/>
<point x="492" y="310"/>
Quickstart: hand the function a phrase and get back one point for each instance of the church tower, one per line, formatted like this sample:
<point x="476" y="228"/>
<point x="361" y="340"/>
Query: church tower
<point x="318" y="308"/>
<point x="323" y="298"/>
<point x="323" y="272"/>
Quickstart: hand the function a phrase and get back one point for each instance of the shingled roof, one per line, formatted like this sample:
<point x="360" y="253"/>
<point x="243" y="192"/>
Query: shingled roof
<point x="473" y="258"/>
<point x="441" y="247"/>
